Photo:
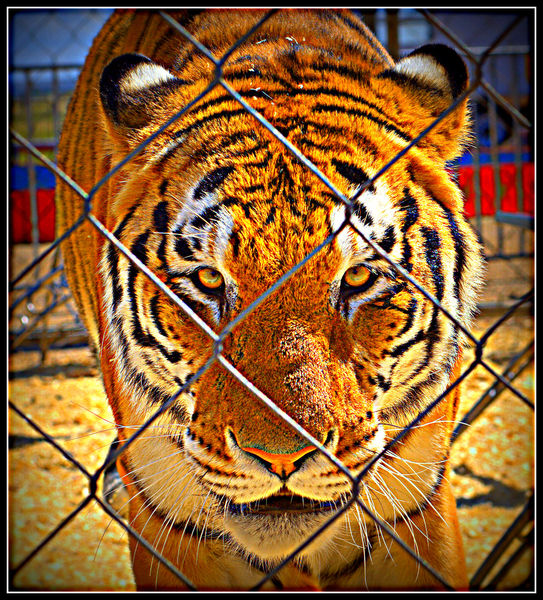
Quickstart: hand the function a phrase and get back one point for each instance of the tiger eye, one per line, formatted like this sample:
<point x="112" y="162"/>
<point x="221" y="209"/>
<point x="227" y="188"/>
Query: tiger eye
<point x="356" y="276"/>
<point x="210" y="278"/>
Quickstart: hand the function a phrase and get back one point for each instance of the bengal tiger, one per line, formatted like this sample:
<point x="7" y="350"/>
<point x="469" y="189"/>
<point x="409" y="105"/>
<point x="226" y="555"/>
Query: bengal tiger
<point x="350" y="346"/>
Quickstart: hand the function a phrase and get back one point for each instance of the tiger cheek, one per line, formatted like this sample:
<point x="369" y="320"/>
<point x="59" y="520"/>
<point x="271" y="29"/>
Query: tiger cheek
<point x="371" y="330"/>
<point x="209" y="417"/>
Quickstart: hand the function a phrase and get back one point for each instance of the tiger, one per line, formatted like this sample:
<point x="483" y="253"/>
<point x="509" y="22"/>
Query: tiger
<point x="289" y="291"/>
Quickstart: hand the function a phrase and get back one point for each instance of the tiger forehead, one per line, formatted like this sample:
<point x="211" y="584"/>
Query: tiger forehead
<point x="279" y="207"/>
<point x="245" y="194"/>
<point x="260" y="172"/>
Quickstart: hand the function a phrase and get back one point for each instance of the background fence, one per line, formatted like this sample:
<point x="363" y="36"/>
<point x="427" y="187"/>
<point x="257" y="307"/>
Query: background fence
<point x="47" y="341"/>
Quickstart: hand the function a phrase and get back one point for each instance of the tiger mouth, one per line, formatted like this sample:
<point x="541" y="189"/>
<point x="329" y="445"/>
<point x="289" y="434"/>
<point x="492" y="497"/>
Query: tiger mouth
<point x="283" y="504"/>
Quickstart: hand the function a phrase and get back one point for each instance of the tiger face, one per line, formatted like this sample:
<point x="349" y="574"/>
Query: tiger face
<point x="299" y="274"/>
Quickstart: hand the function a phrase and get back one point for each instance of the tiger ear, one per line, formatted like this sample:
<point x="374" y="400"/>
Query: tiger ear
<point x="433" y="77"/>
<point x="133" y="89"/>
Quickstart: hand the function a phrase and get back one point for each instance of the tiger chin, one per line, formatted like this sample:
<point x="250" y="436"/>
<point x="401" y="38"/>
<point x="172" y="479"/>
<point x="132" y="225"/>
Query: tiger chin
<point x="308" y="492"/>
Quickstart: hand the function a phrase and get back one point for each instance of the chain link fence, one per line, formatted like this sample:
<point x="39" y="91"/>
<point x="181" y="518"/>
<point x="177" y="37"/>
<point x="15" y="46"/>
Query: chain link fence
<point x="500" y="200"/>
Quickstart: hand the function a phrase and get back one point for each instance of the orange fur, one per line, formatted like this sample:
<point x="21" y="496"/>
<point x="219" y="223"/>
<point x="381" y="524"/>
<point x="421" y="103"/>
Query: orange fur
<point x="220" y="485"/>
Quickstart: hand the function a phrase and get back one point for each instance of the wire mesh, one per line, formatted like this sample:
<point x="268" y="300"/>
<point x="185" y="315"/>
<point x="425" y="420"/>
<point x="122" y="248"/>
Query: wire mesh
<point x="502" y="381"/>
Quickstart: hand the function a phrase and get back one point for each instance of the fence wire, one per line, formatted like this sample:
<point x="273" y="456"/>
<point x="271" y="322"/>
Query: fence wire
<point x="502" y="381"/>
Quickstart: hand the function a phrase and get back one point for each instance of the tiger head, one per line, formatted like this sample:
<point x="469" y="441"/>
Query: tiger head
<point x="295" y="272"/>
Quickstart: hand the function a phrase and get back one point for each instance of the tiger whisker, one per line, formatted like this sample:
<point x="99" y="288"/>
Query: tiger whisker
<point x="421" y="425"/>
<point x="155" y="496"/>
<point x="402" y="510"/>
<point x="422" y="480"/>
<point x="171" y="517"/>
<point x="370" y="502"/>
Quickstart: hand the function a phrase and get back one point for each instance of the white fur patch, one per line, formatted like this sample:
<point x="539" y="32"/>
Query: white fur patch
<point x="224" y="226"/>
<point x="143" y="76"/>
<point x="425" y="69"/>
<point x="380" y="209"/>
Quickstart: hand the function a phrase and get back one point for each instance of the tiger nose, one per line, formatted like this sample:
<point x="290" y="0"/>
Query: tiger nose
<point x="281" y="464"/>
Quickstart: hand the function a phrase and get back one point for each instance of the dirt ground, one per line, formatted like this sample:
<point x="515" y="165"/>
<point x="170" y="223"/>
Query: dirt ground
<point x="61" y="392"/>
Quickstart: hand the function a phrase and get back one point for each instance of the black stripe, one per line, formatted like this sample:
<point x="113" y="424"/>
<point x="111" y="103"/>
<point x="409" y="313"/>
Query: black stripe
<point x="161" y="251"/>
<point x="212" y="181"/>
<point x="388" y="240"/>
<point x="248" y="140"/>
<point x="271" y="216"/>
<point x="459" y="246"/>
<point x="113" y="262"/>
<point x="161" y="223"/>
<point x="352" y="173"/>
<point x="357" y="75"/>
<point x="409" y="206"/>
<point x="273" y="76"/>
<point x="382" y="383"/>
<point x="360" y="113"/>
<point x="155" y="316"/>
<point x="202" y="106"/>
<point x="411" y="311"/>
<point x="180" y="415"/>
<point x="432" y="246"/>
<point x="156" y="395"/>
<point x="325" y="91"/>
<point x="432" y="336"/>
<point x="407" y="253"/>
<point x="326" y="147"/>
<point x="182" y="247"/>
<point x="293" y="92"/>
<point x="333" y="132"/>
<point x="403" y="348"/>
<point x="137" y="378"/>
<point x="234" y="243"/>
<point x="206" y="218"/>
<point x="263" y="164"/>
<point x="235" y="201"/>
<point x="317" y="91"/>
<point x="143" y="338"/>
<point x="191" y="302"/>
<point x="174" y="356"/>
<point x="197" y="124"/>
<point x="160" y="216"/>
<point x="139" y="247"/>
